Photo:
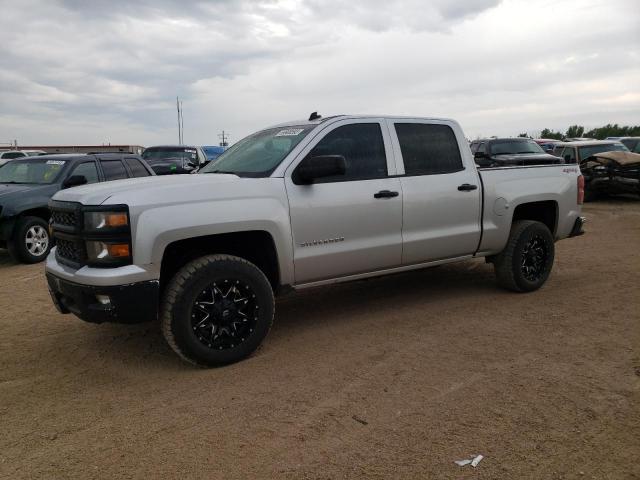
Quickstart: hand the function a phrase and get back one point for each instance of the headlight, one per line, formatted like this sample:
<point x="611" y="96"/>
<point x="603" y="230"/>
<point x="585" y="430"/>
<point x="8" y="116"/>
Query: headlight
<point x="108" y="252"/>
<point x="105" y="220"/>
<point x="107" y="236"/>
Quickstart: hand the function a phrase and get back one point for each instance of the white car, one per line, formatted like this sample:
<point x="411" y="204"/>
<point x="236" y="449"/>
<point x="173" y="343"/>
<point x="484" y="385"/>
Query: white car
<point x="7" y="155"/>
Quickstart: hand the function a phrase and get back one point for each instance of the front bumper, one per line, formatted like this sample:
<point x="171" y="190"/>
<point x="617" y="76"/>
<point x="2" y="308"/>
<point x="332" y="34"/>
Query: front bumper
<point x="131" y="303"/>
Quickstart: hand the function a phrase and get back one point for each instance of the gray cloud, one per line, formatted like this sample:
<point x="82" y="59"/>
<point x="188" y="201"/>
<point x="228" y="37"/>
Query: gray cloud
<point x="83" y="72"/>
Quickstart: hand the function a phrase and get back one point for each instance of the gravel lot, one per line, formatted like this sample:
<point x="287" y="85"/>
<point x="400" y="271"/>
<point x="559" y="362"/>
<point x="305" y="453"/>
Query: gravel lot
<point x="387" y="378"/>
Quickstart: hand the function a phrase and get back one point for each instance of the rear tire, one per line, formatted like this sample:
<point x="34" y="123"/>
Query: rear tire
<point x="30" y="242"/>
<point x="525" y="263"/>
<point x="217" y="310"/>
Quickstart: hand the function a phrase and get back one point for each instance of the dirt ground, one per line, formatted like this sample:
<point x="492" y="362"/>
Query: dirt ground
<point x="388" y="378"/>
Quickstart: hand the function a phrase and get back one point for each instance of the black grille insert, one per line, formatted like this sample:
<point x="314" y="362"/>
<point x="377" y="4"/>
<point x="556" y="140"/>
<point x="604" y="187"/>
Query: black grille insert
<point x="66" y="219"/>
<point x="71" y="251"/>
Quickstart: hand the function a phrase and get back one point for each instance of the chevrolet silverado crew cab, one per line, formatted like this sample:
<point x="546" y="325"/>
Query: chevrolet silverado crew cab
<point x="294" y="206"/>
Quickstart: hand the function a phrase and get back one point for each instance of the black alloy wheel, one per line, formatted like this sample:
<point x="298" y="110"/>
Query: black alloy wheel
<point x="534" y="258"/>
<point x="224" y="314"/>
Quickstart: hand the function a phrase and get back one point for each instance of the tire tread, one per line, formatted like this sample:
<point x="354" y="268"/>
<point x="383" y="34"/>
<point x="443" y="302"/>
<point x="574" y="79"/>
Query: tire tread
<point x="503" y="262"/>
<point x="174" y="289"/>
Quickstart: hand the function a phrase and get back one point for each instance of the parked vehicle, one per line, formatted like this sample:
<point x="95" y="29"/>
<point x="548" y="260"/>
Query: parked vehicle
<point x="172" y="159"/>
<point x="27" y="185"/>
<point x="298" y="205"/>
<point x="611" y="173"/>
<point x="504" y="152"/>
<point x="577" y="152"/>
<point x="547" y="144"/>
<point x="212" y="152"/>
<point x="7" y="155"/>
<point x="34" y="153"/>
<point x="632" y="143"/>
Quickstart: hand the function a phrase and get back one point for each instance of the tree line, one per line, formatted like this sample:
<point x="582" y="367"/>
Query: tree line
<point x="599" y="133"/>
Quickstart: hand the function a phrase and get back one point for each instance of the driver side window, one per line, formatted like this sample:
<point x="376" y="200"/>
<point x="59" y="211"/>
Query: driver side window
<point x="362" y="147"/>
<point x="88" y="170"/>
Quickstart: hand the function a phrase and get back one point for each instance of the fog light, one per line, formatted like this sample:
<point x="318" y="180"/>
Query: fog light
<point x="104" y="299"/>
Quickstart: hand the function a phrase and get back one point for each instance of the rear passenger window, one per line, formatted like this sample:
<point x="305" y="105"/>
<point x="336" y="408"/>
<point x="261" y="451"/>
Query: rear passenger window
<point x="361" y="145"/>
<point x="136" y="167"/>
<point x="113" y="169"/>
<point x="428" y="149"/>
<point x="88" y="170"/>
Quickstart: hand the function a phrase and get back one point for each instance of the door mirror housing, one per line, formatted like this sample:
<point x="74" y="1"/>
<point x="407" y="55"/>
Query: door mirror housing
<point x="321" y="166"/>
<point x="74" y="181"/>
<point x="479" y="154"/>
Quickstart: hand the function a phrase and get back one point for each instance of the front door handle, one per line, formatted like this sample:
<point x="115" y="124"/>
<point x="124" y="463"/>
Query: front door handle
<point x="467" y="187"/>
<point x="385" y="194"/>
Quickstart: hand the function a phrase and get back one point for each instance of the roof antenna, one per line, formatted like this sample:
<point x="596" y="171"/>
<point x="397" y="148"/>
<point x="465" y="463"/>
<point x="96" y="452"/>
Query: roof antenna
<point x="314" y="116"/>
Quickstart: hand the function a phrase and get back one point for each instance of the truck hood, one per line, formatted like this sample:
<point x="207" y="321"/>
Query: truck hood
<point x="526" y="159"/>
<point x="16" y="197"/>
<point x="9" y="190"/>
<point x="145" y="189"/>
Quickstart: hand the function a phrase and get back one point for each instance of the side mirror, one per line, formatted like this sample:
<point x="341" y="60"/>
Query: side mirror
<point x="480" y="154"/>
<point x="567" y="159"/>
<point x="74" y="181"/>
<point x="312" y="168"/>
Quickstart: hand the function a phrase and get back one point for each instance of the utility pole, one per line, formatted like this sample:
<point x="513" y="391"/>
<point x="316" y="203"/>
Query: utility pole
<point x="224" y="139"/>
<point x="180" y="121"/>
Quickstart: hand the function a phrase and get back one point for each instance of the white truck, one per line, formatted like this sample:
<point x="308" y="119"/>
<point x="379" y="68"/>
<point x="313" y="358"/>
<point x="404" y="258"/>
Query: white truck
<point x="298" y="205"/>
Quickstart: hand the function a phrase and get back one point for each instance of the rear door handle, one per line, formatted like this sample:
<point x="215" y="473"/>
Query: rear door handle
<point x="385" y="194"/>
<point x="467" y="187"/>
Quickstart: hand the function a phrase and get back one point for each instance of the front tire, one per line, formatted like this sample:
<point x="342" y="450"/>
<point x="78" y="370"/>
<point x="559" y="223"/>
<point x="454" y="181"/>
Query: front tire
<point x="30" y="242"/>
<point x="217" y="310"/>
<point x="525" y="263"/>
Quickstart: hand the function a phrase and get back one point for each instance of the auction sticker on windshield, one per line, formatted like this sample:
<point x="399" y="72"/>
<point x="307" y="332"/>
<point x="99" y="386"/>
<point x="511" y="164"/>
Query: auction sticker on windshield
<point x="55" y="162"/>
<point x="289" y="132"/>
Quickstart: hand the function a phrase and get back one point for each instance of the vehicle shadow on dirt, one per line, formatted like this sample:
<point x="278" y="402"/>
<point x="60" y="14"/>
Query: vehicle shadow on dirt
<point x="5" y="259"/>
<point x="309" y="312"/>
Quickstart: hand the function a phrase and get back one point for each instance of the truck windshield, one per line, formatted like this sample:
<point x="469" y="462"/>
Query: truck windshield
<point x="259" y="154"/>
<point x="32" y="171"/>
<point x="511" y="147"/>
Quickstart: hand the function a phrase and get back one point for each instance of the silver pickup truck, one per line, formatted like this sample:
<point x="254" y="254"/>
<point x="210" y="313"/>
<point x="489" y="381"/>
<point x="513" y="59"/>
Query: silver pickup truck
<point x="293" y="206"/>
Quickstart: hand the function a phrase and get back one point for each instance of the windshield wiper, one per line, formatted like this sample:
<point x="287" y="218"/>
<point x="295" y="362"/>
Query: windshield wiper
<point x="14" y="183"/>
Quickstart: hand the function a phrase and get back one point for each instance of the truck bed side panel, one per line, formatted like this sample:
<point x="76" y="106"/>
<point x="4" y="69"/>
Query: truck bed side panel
<point x="506" y="188"/>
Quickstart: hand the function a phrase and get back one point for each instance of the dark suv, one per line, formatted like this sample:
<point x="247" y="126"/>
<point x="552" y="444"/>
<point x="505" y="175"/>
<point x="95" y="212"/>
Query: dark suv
<point x="27" y="184"/>
<point x="507" y="152"/>
<point x="173" y="159"/>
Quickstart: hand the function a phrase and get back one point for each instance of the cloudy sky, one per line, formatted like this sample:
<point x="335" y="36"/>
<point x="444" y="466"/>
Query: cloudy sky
<point x="86" y="72"/>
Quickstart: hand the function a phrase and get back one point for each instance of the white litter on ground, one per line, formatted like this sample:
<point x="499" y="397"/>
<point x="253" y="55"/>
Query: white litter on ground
<point x="474" y="461"/>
